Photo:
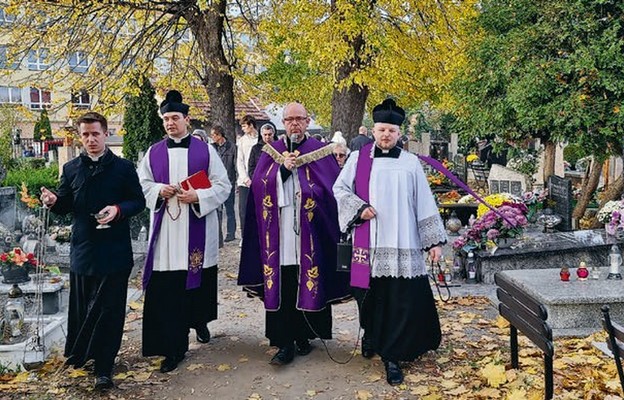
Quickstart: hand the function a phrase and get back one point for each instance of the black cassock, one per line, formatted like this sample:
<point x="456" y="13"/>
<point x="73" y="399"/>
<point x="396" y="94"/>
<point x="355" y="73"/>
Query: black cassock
<point x="171" y="310"/>
<point x="400" y="317"/>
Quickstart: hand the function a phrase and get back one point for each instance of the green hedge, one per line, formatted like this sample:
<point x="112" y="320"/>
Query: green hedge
<point x="33" y="177"/>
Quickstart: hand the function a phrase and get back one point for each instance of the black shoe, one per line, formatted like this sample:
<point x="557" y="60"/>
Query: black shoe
<point x="394" y="375"/>
<point x="202" y="334"/>
<point x="103" y="383"/>
<point x="367" y="348"/>
<point x="229" y="239"/>
<point x="284" y="356"/>
<point x="304" y="347"/>
<point x="170" y="363"/>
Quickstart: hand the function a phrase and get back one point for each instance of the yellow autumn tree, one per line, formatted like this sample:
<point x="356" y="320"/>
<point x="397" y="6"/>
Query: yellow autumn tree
<point x="336" y="56"/>
<point x="100" y="46"/>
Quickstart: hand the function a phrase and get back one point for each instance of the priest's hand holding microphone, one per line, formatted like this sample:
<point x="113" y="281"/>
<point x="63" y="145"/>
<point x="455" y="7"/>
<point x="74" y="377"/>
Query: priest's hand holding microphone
<point x="434" y="253"/>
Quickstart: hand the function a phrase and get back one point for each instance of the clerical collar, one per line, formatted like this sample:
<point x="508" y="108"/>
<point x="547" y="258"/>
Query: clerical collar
<point x="97" y="157"/>
<point x="179" y="142"/>
<point x="394" y="152"/>
<point x="295" y="145"/>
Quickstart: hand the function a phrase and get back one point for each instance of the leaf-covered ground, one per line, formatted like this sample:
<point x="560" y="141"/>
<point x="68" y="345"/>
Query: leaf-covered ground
<point x="472" y="363"/>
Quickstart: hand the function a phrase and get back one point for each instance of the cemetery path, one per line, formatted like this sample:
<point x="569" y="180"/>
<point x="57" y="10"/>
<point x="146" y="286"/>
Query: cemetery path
<point x="472" y="362"/>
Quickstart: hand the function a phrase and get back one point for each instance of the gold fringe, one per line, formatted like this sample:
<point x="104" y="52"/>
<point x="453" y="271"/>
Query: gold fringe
<point x="304" y="159"/>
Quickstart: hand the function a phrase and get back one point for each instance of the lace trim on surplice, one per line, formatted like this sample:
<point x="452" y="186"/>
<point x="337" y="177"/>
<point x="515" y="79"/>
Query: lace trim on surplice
<point x="432" y="232"/>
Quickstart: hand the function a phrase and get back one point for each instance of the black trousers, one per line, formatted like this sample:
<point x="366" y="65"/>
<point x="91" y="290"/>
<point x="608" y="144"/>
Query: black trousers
<point x="170" y="311"/>
<point x="288" y="324"/>
<point x="97" y="310"/>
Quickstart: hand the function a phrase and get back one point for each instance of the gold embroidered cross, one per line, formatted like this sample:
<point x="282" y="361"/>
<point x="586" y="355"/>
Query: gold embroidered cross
<point x="360" y="256"/>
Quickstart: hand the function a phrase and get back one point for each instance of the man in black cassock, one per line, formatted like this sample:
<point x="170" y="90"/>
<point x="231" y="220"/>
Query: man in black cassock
<point x="102" y="192"/>
<point x="383" y="196"/>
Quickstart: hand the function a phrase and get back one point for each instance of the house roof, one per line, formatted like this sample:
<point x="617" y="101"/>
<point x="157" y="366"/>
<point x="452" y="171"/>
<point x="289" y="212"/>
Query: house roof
<point x="251" y="107"/>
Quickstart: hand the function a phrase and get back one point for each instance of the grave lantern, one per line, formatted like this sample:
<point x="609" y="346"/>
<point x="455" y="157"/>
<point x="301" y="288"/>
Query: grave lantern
<point x="14" y="311"/>
<point x="615" y="260"/>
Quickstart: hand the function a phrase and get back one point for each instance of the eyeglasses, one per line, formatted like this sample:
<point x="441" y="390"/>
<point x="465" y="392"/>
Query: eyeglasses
<point x="295" y="119"/>
<point x="340" y="155"/>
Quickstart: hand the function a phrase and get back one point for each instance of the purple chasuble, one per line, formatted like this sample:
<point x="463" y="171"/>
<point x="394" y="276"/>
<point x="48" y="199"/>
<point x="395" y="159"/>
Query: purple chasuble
<point x="319" y="282"/>
<point x="198" y="159"/>
<point x="360" y="259"/>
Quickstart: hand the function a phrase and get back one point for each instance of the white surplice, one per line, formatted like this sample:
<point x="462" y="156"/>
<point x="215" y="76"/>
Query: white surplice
<point x="407" y="221"/>
<point x="171" y="247"/>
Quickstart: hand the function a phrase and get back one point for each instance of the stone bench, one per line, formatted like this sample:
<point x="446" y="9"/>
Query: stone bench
<point x="574" y="307"/>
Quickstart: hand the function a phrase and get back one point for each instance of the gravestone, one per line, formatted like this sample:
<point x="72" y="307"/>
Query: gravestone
<point x="560" y="192"/>
<point x="505" y="180"/>
<point x="460" y="167"/>
<point x="8" y="207"/>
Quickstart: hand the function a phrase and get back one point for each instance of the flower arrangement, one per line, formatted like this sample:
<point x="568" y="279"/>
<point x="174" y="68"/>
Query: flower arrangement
<point x="30" y="201"/>
<point x="17" y="259"/>
<point x="491" y="226"/>
<point x="496" y="200"/>
<point x="535" y="201"/>
<point x="471" y="158"/>
<point x="525" y="162"/>
<point x="612" y="215"/>
<point x="436" y="178"/>
<point x="61" y="234"/>
<point x="467" y="199"/>
<point x="449" y="197"/>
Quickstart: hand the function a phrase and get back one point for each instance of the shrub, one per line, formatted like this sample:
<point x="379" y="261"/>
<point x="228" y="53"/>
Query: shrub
<point x="34" y="178"/>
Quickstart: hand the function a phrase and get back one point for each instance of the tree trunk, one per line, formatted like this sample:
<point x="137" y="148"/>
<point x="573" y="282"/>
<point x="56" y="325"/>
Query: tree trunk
<point x="207" y="27"/>
<point x="348" y="107"/>
<point x="588" y="189"/>
<point x="349" y="101"/>
<point x="549" y="160"/>
<point x="613" y="192"/>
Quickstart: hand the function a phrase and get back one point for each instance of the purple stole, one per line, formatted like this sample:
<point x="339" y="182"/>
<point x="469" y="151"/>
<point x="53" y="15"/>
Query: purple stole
<point x="268" y="210"/>
<point x="198" y="159"/>
<point x="360" y="260"/>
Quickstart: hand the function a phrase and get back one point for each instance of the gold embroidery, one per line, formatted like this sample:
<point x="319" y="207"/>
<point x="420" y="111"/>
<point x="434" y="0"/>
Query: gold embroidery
<point x="304" y="159"/>
<point x="268" y="271"/>
<point x="310" y="285"/>
<point x="196" y="259"/>
<point x="266" y="202"/>
<point x="360" y="255"/>
<point x="313" y="273"/>
<point x="269" y="283"/>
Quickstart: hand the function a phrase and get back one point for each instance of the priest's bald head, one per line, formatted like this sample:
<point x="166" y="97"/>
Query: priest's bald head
<point x="388" y="118"/>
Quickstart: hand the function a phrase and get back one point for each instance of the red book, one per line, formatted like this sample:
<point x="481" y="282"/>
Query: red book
<point x="199" y="180"/>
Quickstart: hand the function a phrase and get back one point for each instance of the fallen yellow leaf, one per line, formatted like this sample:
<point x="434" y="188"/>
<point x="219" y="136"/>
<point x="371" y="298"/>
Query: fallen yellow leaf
<point x="363" y="395"/>
<point x="223" y="367"/>
<point x="517" y="394"/>
<point x="495" y="374"/>
<point x="193" y="367"/>
<point x="77" y="373"/>
<point x="501" y="322"/>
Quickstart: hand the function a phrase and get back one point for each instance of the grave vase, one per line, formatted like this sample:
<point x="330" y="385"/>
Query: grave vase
<point x="14" y="275"/>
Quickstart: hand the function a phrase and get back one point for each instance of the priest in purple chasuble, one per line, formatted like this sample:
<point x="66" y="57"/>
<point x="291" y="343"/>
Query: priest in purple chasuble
<point x="180" y="274"/>
<point x="384" y="199"/>
<point x="291" y="230"/>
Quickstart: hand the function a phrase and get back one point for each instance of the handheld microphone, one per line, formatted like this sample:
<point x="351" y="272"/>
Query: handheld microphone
<point x="292" y="140"/>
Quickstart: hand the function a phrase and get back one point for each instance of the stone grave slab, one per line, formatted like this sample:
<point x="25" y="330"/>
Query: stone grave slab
<point x="560" y="192"/>
<point x="51" y="292"/>
<point x="573" y="307"/>
<point x="8" y="207"/>
<point x="505" y="180"/>
<point x="538" y="250"/>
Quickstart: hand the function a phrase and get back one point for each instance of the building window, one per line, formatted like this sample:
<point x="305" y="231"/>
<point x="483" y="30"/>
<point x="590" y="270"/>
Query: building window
<point x="78" y="62"/>
<point x="81" y="99"/>
<point x="4" y="59"/>
<point x="38" y="60"/>
<point x="40" y="98"/>
<point x="10" y="95"/>
<point x="6" y="19"/>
